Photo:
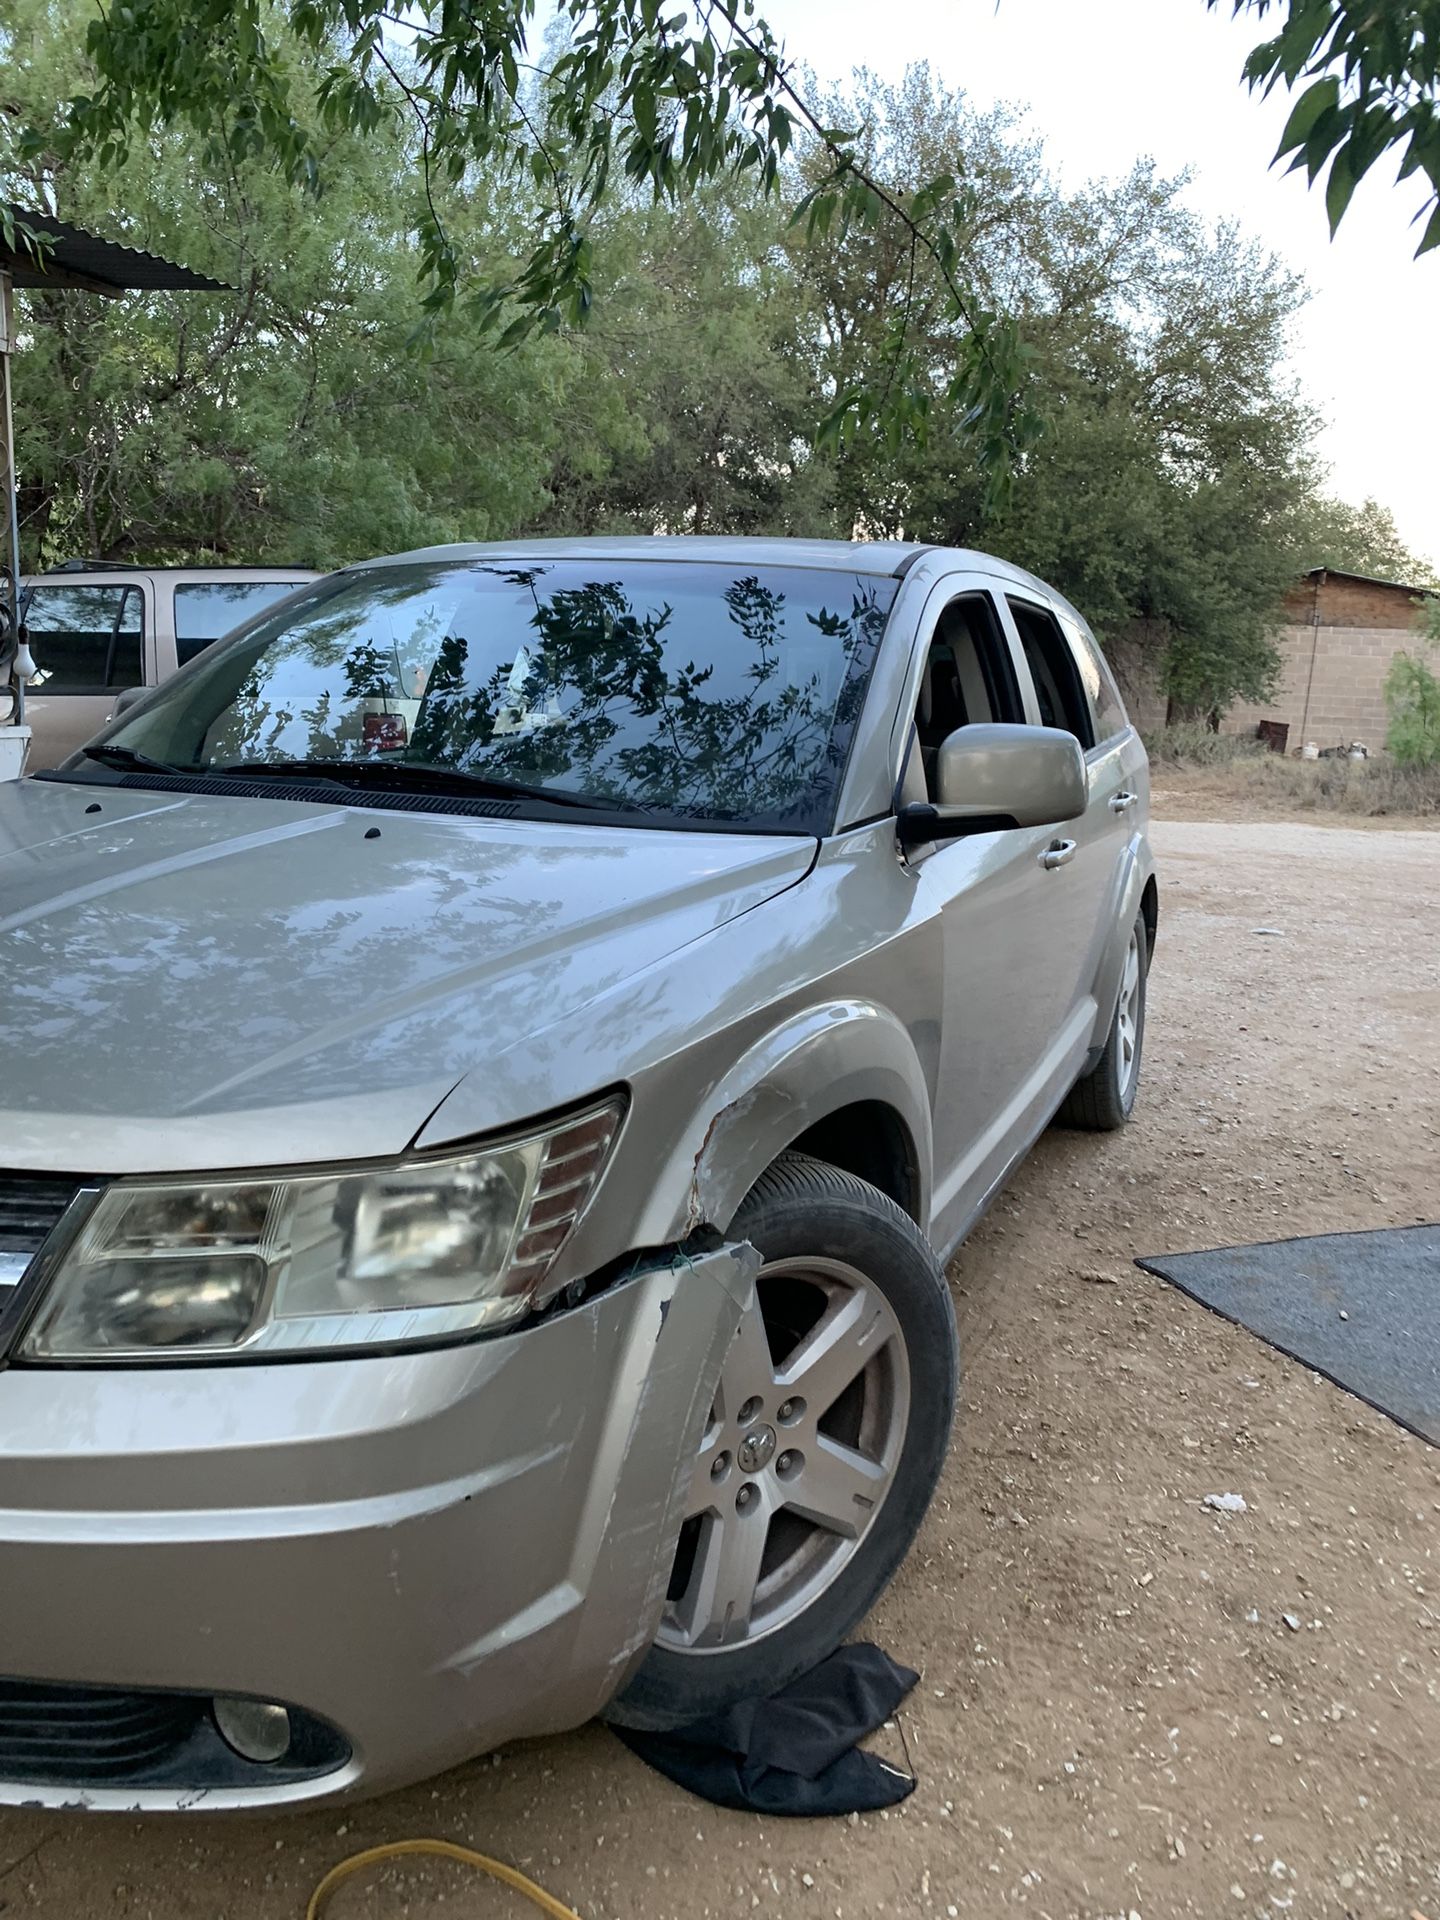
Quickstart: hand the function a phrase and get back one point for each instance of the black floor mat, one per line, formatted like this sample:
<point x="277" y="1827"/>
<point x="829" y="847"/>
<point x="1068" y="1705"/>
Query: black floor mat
<point x="1361" y="1308"/>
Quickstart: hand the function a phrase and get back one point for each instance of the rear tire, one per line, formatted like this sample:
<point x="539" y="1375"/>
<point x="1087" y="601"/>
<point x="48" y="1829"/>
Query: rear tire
<point x="864" y="1449"/>
<point x="1103" y="1099"/>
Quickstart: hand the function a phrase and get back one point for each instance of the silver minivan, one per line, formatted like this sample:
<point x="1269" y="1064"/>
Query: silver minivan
<point x="97" y="631"/>
<point x="494" y="1059"/>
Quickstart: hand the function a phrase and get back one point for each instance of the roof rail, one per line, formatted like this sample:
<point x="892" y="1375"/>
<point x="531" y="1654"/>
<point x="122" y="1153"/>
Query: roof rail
<point x="910" y="558"/>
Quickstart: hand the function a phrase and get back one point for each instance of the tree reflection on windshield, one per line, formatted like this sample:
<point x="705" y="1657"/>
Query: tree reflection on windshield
<point x="686" y="688"/>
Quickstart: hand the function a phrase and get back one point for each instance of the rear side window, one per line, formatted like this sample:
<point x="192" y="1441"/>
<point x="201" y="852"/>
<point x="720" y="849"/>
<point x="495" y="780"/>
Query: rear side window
<point x="86" y="638"/>
<point x="206" y="610"/>
<point x="1107" y="709"/>
<point x="1053" y="668"/>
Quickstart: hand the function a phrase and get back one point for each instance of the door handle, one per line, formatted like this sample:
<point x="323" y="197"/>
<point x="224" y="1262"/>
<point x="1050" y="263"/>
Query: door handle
<point x="1122" y="802"/>
<point x="1057" y="854"/>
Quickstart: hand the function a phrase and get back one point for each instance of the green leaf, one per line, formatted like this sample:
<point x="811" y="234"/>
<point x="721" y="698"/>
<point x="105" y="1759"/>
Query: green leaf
<point x="1338" y="188"/>
<point x="1315" y="100"/>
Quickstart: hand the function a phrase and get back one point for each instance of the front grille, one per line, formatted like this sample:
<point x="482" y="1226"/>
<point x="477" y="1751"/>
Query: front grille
<point x="87" y="1734"/>
<point x="30" y="1208"/>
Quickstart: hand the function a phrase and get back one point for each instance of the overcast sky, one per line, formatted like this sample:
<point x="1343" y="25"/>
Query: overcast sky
<point x="1111" y="80"/>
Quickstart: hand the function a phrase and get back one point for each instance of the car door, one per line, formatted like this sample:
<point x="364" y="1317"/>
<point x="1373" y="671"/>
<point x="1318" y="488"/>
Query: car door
<point x="91" y="639"/>
<point x="1009" y="919"/>
<point x="1118" y="774"/>
<point x="1072" y="688"/>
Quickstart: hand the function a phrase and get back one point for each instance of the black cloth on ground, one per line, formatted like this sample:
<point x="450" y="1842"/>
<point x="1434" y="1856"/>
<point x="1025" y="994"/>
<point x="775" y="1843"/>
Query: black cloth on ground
<point x="795" y="1753"/>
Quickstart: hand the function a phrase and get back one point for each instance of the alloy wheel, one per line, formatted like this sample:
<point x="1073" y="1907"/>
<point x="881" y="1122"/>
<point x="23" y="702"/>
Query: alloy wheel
<point x="802" y="1444"/>
<point x="1128" y="1016"/>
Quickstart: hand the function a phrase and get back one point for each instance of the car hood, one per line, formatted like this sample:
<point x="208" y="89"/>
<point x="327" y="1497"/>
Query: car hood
<point x="189" y="981"/>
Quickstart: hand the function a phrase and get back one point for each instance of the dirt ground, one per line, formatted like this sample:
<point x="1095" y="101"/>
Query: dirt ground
<point x="1113" y="1718"/>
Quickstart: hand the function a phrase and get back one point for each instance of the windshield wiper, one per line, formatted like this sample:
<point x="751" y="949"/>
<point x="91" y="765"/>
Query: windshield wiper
<point x="400" y="774"/>
<point x="127" y="760"/>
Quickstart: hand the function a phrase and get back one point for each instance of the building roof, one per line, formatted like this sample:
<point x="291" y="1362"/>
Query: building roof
<point x="1365" y="579"/>
<point x="74" y="258"/>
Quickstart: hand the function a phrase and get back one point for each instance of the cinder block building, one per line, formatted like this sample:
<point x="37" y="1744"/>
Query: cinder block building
<point x="1340" y="633"/>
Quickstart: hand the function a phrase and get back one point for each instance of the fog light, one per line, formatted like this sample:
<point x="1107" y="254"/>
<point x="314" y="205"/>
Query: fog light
<point x="256" y="1729"/>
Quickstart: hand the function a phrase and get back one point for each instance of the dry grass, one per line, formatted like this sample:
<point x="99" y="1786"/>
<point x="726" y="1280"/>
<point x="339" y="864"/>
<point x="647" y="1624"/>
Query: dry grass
<point x="1197" y="746"/>
<point x="1241" y="778"/>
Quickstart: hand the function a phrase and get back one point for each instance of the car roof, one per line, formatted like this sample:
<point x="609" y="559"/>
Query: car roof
<point x="883" y="557"/>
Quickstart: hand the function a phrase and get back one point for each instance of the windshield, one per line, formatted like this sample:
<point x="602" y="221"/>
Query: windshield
<point x="695" y="691"/>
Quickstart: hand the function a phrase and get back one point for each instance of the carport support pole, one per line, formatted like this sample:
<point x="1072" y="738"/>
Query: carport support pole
<point x="12" y="510"/>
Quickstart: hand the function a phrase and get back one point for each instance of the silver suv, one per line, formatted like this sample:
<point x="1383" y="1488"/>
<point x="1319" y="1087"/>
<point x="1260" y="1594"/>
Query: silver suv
<point x="497" y="1056"/>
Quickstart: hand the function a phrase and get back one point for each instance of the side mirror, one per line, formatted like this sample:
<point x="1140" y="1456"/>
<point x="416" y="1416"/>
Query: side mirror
<point x="993" y="777"/>
<point x="127" y="699"/>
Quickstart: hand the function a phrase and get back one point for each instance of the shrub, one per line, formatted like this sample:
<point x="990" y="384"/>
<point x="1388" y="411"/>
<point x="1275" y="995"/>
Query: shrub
<point x="1412" y="695"/>
<point x="1194" y="745"/>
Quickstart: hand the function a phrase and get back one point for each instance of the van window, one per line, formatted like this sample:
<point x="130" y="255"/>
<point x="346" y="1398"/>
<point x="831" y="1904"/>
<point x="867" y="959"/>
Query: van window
<point x="1053" y="669"/>
<point x="206" y="610"/>
<point x="86" y="638"/>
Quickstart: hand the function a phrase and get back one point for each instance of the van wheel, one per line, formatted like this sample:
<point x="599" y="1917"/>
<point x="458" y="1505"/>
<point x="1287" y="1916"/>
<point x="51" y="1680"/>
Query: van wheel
<point x="823" y="1446"/>
<point x="1104" y="1098"/>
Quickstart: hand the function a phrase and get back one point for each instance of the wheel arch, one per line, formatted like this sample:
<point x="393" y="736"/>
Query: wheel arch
<point x="1136" y="893"/>
<point x="1150" y="907"/>
<point x="842" y="1082"/>
<point x="870" y="1139"/>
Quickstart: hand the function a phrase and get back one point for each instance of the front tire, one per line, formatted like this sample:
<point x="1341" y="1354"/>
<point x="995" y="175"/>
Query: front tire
<point x="823" y="1447"/>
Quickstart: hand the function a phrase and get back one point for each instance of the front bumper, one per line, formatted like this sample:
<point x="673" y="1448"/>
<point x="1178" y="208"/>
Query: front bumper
<point x="433" y="1552"/>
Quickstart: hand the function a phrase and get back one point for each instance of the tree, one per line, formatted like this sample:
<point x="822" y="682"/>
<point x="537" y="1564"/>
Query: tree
<point x="698" y="394"/>
<point x="1166" y="492"/>
<point x="1412" y="695"/>
<point x="631" y="90"/>
<point x="1374" y="78"/>
<point x="1172" y="495"/>
<point x="635" y="90"/>
<point x="287" y="420"/>
<point x="1363" y="539"/>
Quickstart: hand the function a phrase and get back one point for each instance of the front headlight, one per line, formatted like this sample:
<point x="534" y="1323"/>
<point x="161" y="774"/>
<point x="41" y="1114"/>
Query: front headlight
<point x="308" y="1262"/>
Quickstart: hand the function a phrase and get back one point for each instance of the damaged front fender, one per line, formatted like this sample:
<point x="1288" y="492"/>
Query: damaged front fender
<point x="839" y="1054"/>
<point x="435" y="1552"/>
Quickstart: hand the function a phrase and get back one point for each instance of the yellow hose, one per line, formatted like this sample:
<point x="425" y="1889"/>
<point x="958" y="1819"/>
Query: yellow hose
<point x="446" y="1850"/>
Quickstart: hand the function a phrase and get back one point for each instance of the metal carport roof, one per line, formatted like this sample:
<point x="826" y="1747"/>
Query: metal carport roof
<point x="71" y="257"/>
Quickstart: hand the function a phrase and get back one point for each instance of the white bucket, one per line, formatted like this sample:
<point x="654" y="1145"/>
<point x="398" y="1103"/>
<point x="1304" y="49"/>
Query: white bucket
<point x="14" y="745"/>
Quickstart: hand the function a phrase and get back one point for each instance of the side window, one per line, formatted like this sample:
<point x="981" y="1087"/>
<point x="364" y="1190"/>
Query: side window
<point x="1052" y="667"/>
<point x="206" y="610"/>
<point x="968" y="678"/>
<point x="86" y="638"/>
<point x="1107" y="709"/>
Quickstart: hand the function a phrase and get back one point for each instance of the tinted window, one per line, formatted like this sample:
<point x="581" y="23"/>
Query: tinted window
<point x="696" y="691"/>
<point x="1053" y="669"/>
<point x="968" y="678"/>
<point x="1107" y="709"/>
<point x="85" y="639"/>
<point x="206" y="610"/>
